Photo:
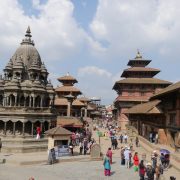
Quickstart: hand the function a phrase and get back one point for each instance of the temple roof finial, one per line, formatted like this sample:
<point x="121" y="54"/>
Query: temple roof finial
<point x="138" y="55"/>
<point x="28" y="32"/>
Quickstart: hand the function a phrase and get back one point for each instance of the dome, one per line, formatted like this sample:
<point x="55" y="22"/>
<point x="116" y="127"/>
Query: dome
<point x="27" y="51"/>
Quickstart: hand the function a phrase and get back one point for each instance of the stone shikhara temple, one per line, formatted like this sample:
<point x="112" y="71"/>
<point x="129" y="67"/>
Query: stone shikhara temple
<point x="26" y="95"/>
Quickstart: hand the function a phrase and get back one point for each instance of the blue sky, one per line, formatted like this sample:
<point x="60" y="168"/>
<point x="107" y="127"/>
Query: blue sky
<point x="94" y="39"/>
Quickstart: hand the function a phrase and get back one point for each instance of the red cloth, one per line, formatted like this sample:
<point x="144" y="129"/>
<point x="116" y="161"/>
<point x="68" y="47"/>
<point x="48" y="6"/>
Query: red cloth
<point x="109" y="153"/>
<point x="136" y="160"/>
<point x="142" y="171"/>
<point x="107" y="172"/>
<point x="38" y="130"/>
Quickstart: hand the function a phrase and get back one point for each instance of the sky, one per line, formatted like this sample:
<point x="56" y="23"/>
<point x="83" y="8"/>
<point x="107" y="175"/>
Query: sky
<point x="93" y="40"/>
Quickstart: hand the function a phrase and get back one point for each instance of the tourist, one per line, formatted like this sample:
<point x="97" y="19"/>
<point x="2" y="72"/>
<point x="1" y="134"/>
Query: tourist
<point x="137" y="141"/>
<point x="157" y="172"/>
<point x="122" y="156"/>
<point x="73" y="138"/>
<point x="125" y="138"/>
<point x="142" y="170"/>
<point x="77" y="139"/>
<point x="115" y="143"/>
<point x="80" y="147"/>
<point x="0" y="144"/>
<point x="107" y="165"/>
<point x="38" y="131"/>
<point x="150" y="171"/>
<point x="127" y="157"/>
<point x="136" y="161"/>
<point x="154" y="159"/>
<point x="85" y="145"/>
<point x="71" y="148"/>
<point x="121" y="138"/>
<point x="109" y="152"/>
<point x="162" y="159"/>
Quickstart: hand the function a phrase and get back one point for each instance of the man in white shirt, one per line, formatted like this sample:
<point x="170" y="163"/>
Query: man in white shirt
<point x="125" y="138"/>
<point x="126" y="156"/>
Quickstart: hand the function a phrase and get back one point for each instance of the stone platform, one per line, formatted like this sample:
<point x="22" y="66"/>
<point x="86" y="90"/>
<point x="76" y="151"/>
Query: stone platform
<point x="23" y="145"/>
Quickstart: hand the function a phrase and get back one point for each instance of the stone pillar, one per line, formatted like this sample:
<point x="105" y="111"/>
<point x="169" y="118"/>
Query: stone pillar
<point x="15" y="101"/>
<point x="33" y="102"/>
<point x="4" y="100"/>
<point x="30" y="101"/>
<point x="41" y="126"/>
<point x="25" y="100"/>
<point x="23" y="129"/>
<point x="69" y="109"/>
<point x="85" y="113"/>
<point x="41" y="105"/>
<point x="5" y="123"/>
<point x="10" y="101"/>
<point x="14" y="128"/>
<point x="7" y="100"/>
<point x="32" y="129"/>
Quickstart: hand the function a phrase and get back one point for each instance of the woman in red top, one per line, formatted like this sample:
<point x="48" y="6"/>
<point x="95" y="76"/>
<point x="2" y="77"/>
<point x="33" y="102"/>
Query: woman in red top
<point x="109" y="152"/>
<point x="136" y="161"/>
<point x="142" y="170"/>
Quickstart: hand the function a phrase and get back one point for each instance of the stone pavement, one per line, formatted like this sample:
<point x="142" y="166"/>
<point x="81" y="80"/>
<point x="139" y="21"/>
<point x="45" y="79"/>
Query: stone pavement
<point x="81" y="170"/>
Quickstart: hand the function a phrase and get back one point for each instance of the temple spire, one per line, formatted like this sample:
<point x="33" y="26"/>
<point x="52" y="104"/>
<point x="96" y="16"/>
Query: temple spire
<point x="27" y="39"/>
<point x="138" y="55"/>
<point x="28" y="32"/>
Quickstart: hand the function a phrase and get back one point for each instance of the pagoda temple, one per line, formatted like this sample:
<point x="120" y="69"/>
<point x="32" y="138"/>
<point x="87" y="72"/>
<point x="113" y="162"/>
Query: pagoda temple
<point x="26" y="98"/>
<point x="137" y="86"/>
<point x="68" y="106"/>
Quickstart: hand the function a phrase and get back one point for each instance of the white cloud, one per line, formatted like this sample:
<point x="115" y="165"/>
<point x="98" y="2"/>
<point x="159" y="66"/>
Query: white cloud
<point x="143" y="24"/>
<point x="93" y="70"/>
<point x="56" y="33"/>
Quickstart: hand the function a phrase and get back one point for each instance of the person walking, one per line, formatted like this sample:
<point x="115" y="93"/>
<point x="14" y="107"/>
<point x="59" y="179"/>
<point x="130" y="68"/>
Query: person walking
<point x="137" y="141"/>
<point x="150" y="172"/>
<point x="109" y="152"/>
<point x="122" y="156"/>
<point x="71" y="148"/>
<point x="142" y="170"/>
<point x="127" y="157"/>
<point x="121" y="138"/>
<point x="125" y="138"/>
<point x="38" y="131"/>
<point x="107" y="166"/>
<point x="85" y="145"/>
<point x="80" y="148"/>
<point x="136" y="161"/>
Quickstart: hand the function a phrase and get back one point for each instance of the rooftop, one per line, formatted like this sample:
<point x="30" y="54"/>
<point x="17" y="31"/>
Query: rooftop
<point x="145" y="108"/>
<point x="167" y="90"/>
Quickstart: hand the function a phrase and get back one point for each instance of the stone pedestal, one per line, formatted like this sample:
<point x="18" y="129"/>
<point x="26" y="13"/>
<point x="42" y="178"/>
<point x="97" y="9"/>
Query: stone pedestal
<point x="95" y="151"/>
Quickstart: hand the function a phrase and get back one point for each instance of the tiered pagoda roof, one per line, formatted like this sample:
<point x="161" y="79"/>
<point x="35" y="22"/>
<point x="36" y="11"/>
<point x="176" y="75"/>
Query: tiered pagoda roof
<point x="136" y="79"/>
<point x="138" y="73"/>
<point x="138" y="68"/>
<point x="66" y="89"/>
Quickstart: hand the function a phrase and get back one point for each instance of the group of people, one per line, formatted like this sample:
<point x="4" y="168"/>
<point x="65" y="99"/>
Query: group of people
<point x="82" y="139"/>
<point x="149" y="170"/>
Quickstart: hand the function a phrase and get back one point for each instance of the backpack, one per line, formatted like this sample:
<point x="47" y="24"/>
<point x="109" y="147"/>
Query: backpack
<point x="150" y="172"/>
